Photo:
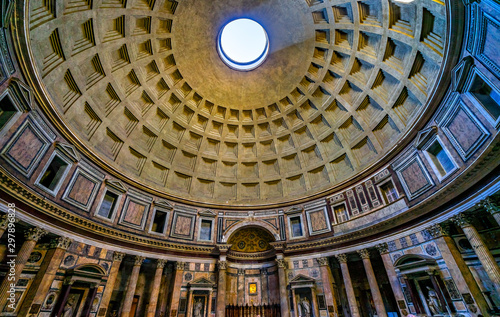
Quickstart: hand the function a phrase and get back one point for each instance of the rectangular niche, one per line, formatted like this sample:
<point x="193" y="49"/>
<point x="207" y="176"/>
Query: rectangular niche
<point x="413" y="176"/>
<point x="317" y="221"/>
<point x="135" y="211"/>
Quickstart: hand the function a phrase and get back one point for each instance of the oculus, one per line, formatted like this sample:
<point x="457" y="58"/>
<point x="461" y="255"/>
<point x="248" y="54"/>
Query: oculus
<point x="243" y="44"/>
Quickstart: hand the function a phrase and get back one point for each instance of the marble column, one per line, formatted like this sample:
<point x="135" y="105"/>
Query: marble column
<point x="492" y="208"/>
<point x="190" y="304"/>
<point x="176" y="292"/>
<point x="63" y="297"/>
<point x="285" y="310"/>
<point x="110" y="284"/>
<point x="164" y="291"/>
<point x="353" y="306"/>
<point x="16" y="265"/>
<point x="264" y="287"/>
<point x="383" y="249"/>
<point x="372" y="281"/>
<point x="87" y="307"/>
<point x="241" y="287"/>
<point x="45" y="275"/>
<point x="483" y="253"/>
<point x="153" y="298"/>
<point x="314" y="302"/>
<point x="294" y="303"/>
<point x="459" y="270"/>
<point x="221" y="289"/>
<point x="209" y="309"/>
<point x="132" y="283"/>
<point x="328" y="284"/>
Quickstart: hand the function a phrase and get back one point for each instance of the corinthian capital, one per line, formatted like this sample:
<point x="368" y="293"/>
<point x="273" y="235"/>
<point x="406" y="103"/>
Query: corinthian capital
<point x="364" y="253"/>
<point x="342" y="257"/>
<point x="322" y="261"/>
<point x="462" y="220"/>
<point x="35" y="233"/>
<point x="490" y="206"/>
<point x="118" y="256"/>
<point x="4" y="221"/>
<point x="161" y="263"/>
<point x="382" y="248"/>
<point x="222" y="265"/>
<point x="438" y="230"/>
<point x="138" y="260"/>
<point x="179" y="266"/>
<point x="61" y="243"/>
<point x="281" y="263"/>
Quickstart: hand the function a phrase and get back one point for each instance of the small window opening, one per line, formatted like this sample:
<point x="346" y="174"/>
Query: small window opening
<point x="341" y="213"/>
<point x="440" y="159"/>
<point x="53" y="173"/>
<point x="389" y="193"/>
<point x="206" y="230"/>
<point x="159" y="221"/>
<point x="7" y="111"/>
<point x="296" y="226"/>
<point x="108" y="205"/>
<point x="488" y="97"/>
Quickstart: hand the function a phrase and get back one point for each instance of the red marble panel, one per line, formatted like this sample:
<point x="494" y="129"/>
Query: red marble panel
<point x="183" y="225"/>
<point x="318" y="221"/>
<point x="26" y="148"/>
<point x="82" y="189"/>
<point x="134" y="213"/>
<point x="414" y="177"/>
<point x="464" y="130"/>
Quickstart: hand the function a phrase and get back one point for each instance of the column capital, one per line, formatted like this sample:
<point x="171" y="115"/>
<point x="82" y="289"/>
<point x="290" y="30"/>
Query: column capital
<point x="60" y="243"/>
<point x="462" y="220"/>
<point x="160" y="263"/>
<point x="364" y="253"/>
<point x="281" y="263"/>
<point x="222" y="265"/>
<point x="68" y="281"/>
<point x="4" y="221"/>
<point x="323" y="261"/>
<point x="341" y="257"/>
<point x="382" y="248"/>
<point x="439" y="229"/>
<point x="138" y="260"/>
<point x="490" y="206"/>
<point x="179" y="266"/>
<point x="34" y="233"/>
<point x="118" y="256"/>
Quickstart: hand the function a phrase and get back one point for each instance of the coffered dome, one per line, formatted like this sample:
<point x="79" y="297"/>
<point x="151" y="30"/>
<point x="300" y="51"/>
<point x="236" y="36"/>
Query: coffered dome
<point x="139" y="86"/>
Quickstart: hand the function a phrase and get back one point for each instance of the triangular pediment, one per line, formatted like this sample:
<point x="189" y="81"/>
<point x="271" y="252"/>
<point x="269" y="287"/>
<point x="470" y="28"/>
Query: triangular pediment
<point x="116" y="185"/>
<point x="302" y="279"/>
<point x="459" y="73"/>
<point x="22" y="92"/>
<point x="163" y="204"/>
<point x="423" y="136"/>
<point x="294" y="210"/>
<point x="207" y="213"/>
<point x="69" y="151"/>
<point x="202" y="281"/>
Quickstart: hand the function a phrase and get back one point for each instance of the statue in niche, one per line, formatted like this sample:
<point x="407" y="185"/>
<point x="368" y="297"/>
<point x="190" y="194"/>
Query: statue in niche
<point x="306" y="307"/>
<point x="433" y="302"/>
<point x="68" y="308"/>
<point x="198" y="308"/>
